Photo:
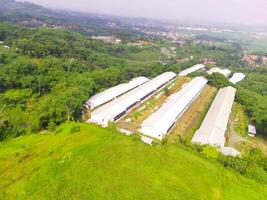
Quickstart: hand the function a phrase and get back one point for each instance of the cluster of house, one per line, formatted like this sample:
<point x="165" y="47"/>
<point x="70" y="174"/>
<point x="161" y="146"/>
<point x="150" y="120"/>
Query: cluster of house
<point x="173" y="36"/>
<point x="253" y="59"/>
<point x="114" y="103"/>
<point x="108" y="39"/>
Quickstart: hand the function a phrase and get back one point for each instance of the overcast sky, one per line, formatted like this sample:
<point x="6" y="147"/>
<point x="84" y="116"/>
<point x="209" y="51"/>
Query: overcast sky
<point x="228" y="11"/>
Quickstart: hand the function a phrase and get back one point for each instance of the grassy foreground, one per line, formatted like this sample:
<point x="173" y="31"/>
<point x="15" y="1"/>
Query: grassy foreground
<point x="81" y="161"/>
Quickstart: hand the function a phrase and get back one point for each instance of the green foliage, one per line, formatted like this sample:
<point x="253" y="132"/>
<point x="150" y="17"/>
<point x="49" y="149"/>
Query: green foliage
<point x="96" y="163"/>
<point x="252" y="163"/>
<point x="210" y="152"/>
<point x="236" y="163"/>
<point x="48" y="74"/>
<point x="252" y="94"/>
<point x="218" y="80"/>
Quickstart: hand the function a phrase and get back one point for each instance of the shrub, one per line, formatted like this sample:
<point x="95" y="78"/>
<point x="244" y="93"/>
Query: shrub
<point x="210" y="152"/>
<point x="238" y="164"/>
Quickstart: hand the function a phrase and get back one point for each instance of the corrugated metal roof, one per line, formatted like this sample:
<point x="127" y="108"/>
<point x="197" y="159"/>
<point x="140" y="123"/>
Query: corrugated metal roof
<point x="213" y="127"/>
<point x="252" y="129"/>
<point x="229" y="151"/>
<point x="159" y="123"/>
<point x="237" y="77"/>
<point x="191" y="69"/>
<point x="114" y="92"/>
<point x="108" y="112"/>
<point x="225" y="72"/>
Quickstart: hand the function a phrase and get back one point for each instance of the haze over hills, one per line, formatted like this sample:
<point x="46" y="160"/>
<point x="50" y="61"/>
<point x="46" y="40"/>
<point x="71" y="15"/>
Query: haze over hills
<point x="100" y="106"/>
<point x="238" y="12"/>
<point x="31" y="14"/>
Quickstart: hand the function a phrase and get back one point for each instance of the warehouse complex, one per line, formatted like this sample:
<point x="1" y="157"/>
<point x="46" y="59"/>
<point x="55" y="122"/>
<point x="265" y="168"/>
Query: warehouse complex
<point x="107" y="95"/>
<point x="225" y="72"/>
<point x="114" y="103"/>
<point x="237" y="77"/>
<point x="213" y="128"/>
<point x="116" y="109"/>
<point x="192" y="69"/>
<point x="159" y="123"/>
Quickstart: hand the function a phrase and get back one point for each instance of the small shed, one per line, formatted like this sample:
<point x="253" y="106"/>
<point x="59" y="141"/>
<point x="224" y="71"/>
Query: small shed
<point x="252" y="130"/>
<point x="147" y="140"/>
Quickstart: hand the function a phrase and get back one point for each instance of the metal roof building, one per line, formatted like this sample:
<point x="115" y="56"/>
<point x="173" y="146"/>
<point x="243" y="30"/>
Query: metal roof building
<point x="212" y="129"/>
<point x="252" y="130"/>
<point x="237" y="77"/>
<point x="114" y="110"/>
<point x="229" y="151"/>
<point x="191" y="69"/>
<point x="159" y="123"/>
<point x="109" y="94"/>
<point x="225" y="72"/>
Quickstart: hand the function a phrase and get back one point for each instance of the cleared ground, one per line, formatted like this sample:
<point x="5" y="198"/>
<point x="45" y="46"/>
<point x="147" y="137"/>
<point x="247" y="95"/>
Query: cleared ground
<point x="81" y="161"/>
<point x="191" y="120"/>
<point x="237" y="135"/>
<point x="135" y="117"/>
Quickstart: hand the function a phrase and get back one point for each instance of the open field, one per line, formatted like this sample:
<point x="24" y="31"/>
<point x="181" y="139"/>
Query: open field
<point x="81" y="161"/>
<point x="192" y="118"/>
<point x="135" y="117"/>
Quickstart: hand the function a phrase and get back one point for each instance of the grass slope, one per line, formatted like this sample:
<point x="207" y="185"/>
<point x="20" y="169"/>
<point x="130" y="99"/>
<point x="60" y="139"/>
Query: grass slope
<point x="95" y="163"/>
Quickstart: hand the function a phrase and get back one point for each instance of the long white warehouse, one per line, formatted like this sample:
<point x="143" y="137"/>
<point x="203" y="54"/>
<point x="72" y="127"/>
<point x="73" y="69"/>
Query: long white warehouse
<point x="225" y="72"/>
<point x="109" y="94"/>
<point x="213" y="127"/>
<point x="159" y="123"/>
<point x="192" y="69"/>
<point x="114" y="110"/>
<point x="237" y="77"/>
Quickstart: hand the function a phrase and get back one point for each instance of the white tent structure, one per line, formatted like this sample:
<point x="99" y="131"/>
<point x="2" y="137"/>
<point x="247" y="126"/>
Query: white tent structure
<point x="229" y="151"/>
<point x="237" y="77"/>
<point x="116" y="109"/>
<point x="159" y="123"/>
<point x="109" y="94"/>
<point x="192" y="69"/>
<point x="225" y="72"/>
<point x="212" y="129"/>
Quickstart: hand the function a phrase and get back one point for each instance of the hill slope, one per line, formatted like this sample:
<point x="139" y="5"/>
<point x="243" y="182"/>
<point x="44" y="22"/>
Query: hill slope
<point x="86" y="162"/>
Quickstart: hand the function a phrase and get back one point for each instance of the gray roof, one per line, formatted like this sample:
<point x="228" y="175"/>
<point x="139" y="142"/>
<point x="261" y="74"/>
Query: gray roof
<point x="213" y="127"/>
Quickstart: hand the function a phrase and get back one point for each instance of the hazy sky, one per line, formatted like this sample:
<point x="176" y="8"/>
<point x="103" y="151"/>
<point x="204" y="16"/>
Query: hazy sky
<point x="229" y="11"/>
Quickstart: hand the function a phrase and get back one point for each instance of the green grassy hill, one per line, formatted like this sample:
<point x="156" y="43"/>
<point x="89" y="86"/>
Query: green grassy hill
<point x="81" y="161"/>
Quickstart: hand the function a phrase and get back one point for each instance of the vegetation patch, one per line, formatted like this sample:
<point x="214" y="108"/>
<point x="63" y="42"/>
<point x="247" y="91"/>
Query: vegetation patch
<point x="96" y="163"/>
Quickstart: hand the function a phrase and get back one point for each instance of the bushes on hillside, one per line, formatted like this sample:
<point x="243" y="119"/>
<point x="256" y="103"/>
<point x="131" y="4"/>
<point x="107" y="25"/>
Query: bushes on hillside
<point x="250" y="162"/>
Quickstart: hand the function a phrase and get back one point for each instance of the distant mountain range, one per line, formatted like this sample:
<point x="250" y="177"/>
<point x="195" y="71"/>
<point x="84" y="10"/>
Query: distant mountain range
<point x="32" y="15"/>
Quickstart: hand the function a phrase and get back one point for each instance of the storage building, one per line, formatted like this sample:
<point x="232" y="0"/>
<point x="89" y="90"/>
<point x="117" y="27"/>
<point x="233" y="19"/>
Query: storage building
<point x="192" y="69"/>
<point x="252" y="130"/>
<point x="225" y="72"/>
<point x="159" y="123"/>
<point x="116" y="109"/>
<point x="237" y="77"/>
<point x="109" y="94"/>
<point x="212" y="129"/>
